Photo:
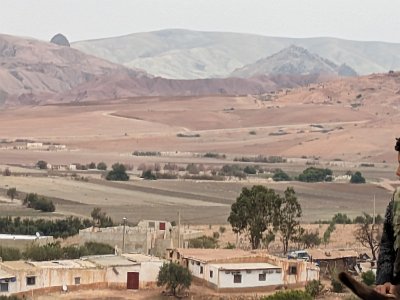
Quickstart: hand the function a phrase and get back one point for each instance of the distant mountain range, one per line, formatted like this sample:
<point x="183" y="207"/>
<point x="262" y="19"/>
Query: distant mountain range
<point x="293" y="60"/>
<point x="185" y="54"/>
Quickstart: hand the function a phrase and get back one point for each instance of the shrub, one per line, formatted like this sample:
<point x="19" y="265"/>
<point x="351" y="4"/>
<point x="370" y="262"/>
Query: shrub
<point x="357" y="178"/>
<point x="288" y="295"/>
<point x="118" y="173"/>
<point x="206" y="242"/>
<point x="337" y="286"/>
<point x="101" y="166"/>
<point x="280" y="175"/>
<point x="250" y="170"/>
<point x="148" y="175"/>
<point x="41" y="164"/>
<point x="7" y="253"/>
<point x="368" y="277"/>
<point x="39" y="203"/>
<point x="314" y="288"/>
<point x="174" y="277"/>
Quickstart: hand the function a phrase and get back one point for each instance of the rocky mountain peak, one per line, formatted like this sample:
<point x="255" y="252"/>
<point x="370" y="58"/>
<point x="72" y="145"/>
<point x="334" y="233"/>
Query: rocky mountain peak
<point x="60" y="39"/>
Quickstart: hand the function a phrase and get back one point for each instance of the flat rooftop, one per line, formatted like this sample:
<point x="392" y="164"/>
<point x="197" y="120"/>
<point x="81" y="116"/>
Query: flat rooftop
<point x="208" y="255"/>
<point x="21" y="237"/>
<point x="110" y="260"/>
<point x="245" y="266"/>
<point x="138" y="257"/>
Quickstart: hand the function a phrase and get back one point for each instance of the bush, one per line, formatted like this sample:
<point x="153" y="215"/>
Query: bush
<point x="337" y="286"/>
<point x="250" y="170"/>
<point x="174" y="277"/>
<point x="39" y="203"/>
<point x="288" y="295"/>
<point x="357" y="178"/>
<point x="368" y="277"/>
<point x="101" y="166"/>
<point x="148" y="175"/>
<point x="41" y="164"/>
<point x="118" y="173"/>
<point x="314" y="288"/>
<point x="280" y="175"/>
<point x="7" y="253"/>
<point x="205" y="242"/>
<point x="340" y="218"/>
<point x="313" y="174"/>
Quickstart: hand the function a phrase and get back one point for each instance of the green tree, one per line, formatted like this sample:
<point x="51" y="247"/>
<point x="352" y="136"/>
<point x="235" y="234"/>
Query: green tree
<point x="357" y="178"/>
<point x="101" y="166"/>
<point x="250" y="170"/>
<point x="174" y="277"/>
<point x="39" y="203"/>
<point x="268" y="238"/>
<point x="12" y="193"/>
<point x="92" y="165"/>
<point x="313" y="174"/>
<point x="254" y="211"/>
<point x="148" y="174"/>
<point x="340" y="218"/>
<point x="289" y="218"/>
<point x="280" y="175"/>
<point x="310" y="239"/>
<point x="100" y="218"/>
<point x="41" y="164"/>
<point x="118" y="173"/>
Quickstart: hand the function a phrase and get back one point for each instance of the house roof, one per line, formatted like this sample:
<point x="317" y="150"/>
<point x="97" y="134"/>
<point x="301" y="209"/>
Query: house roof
<point x="55" y="264"/>
<point x="18" y="265"/>
<point x="245" y="266"/>
<point x="208" y="255"/>
<point x="138" y="257"/>
<point x="110" y="260"/>
<point x="21" y="237"/>
<point x="331" y="254"/>
<point x="5" y="275"/>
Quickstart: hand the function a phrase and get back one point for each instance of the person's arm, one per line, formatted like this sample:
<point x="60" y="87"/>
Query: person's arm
<point x="384" y="273"/>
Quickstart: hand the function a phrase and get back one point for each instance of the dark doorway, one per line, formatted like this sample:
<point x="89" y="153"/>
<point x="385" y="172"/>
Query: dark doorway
<point x="133" y="281"/>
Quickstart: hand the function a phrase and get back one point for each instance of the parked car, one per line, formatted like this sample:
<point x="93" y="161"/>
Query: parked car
<point x="300" y="254"/>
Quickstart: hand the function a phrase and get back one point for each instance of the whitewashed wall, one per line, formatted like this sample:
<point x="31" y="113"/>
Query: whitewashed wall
<point x="249" y="279"/>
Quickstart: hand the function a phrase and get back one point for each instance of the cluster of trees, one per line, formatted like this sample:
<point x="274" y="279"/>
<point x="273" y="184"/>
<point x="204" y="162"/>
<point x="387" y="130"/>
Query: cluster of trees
<point x="55" y="251"/>
<point x="118" y="173"/>
<point x="261" y="159"/>
<point x="146" y="153"/>
<point x="313" y="174"/>
<point x="39" y="203"/>
<point x="259" y="211"/>
<point x="42" y="164"/>
<point x="58" y="228"/>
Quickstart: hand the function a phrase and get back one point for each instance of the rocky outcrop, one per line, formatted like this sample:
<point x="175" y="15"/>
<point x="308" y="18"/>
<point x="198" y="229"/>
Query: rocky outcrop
<point x="60" y="39"/>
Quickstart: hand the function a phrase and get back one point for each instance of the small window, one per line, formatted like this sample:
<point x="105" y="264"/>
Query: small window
<point x="269" y="271"/>
<point x="77" y="280"/>
<point x="201" y="270"/>
<point x="237" y="278"/>
<point x="152" y="224"/>
<point x="211" y="274"/>
<point x="4" y="287"/>
<point x="192" y="262"/>
<point x="278" y="271"/>
<point x="292" y="270"/>
<point x="198" y="263"/>
<point x="248" y="271"/>
<point x="31" y="280"/>
<point x="261" y="277"/>
<point x="171" y="254"/>
<point x="178" y="255"/>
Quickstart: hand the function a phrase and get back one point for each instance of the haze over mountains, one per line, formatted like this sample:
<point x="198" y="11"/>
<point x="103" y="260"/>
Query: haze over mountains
<point x="185" y="54"/>
<point x="36" y="72"/>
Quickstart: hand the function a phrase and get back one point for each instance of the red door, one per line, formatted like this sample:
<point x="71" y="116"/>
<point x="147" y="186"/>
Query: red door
<point x="133" y="281"/>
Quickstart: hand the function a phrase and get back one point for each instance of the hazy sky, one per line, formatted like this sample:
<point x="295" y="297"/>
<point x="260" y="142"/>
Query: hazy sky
<point x="368" y="20"/>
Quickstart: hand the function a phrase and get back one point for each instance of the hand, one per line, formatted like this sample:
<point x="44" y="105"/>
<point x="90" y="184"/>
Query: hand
<point x="386" y="288"/>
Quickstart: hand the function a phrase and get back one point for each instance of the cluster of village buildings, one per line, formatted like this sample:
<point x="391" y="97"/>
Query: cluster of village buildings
<point x="140" y="252"/>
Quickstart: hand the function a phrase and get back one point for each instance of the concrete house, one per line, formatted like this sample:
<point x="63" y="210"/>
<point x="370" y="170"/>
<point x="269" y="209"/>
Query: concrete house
<point x="148" y="237"/>
<point x="233" y="269"/>
<point x="131" y="271"/>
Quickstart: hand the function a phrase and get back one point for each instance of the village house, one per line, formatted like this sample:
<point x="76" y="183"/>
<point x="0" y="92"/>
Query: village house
<point x="21" y="242"/>
<point x="336" y="260"/>
<point x="148" y="237"/>
<point x="130" y="271"/>
<point x="233" y="269"/>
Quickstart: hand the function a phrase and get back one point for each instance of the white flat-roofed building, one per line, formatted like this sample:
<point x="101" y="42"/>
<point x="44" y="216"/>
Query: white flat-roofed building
<point x="237" y="275"/>
<point x="20" y="241"/>
<point x="234" y="269"/>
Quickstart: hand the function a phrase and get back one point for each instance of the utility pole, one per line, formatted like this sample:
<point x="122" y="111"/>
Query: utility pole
<point x="179" y="228"/>
<point x="123" y="235"/>
<point x="373" y="220"/>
